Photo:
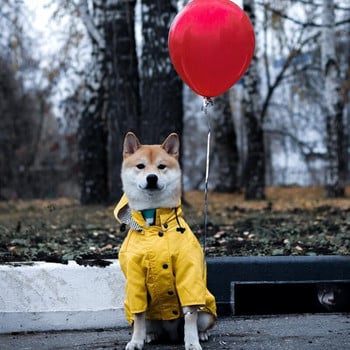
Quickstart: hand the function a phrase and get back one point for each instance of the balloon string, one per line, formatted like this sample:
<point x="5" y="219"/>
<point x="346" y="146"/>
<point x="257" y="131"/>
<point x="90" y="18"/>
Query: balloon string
<point x="206" y="102"/>
<point x="206" y="195"/>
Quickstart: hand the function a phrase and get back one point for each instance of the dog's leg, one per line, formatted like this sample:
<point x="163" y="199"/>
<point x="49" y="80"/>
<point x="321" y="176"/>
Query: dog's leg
<point x="139" y="332"/>
<point x="191" y="328"/>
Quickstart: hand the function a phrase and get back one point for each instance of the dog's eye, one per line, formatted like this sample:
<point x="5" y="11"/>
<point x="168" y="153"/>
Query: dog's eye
<point x="161" y="166"/>
<point x="140" y="166"/>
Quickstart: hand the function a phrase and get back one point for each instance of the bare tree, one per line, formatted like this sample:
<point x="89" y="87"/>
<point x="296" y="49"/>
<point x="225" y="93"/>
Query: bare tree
<point x="291" y="70"/>
<point x="23" y="107"/>
<point x="124" y="95"/>
<point x="346" y="94"/>
<point x="335" y="172"/>
<point x="161" y="87"/>
<point x="225" y="150"/>
<point x="111" y="106"/>
<point x="93" y="120"/>
<point x="254" y="172"/>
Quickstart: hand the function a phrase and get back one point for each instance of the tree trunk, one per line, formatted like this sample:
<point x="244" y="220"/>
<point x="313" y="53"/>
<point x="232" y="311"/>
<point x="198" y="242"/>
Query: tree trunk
<point x="92" y="125"/>
<point x="124" y="97"/>
<point x="346" y="94"/>
<point x="225" y="146"/>
<point x="335" y="171"/>
<point x="254" y="173"/>
<point x="161" y="87"/>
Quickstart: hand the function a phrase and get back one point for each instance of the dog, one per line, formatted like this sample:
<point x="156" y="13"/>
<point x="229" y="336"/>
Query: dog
<point x="161" y="258"/>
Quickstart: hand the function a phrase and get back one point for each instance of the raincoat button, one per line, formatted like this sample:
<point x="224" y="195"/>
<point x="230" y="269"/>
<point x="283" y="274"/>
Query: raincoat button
<point x="160" y="234"/>
<point x="165" y="266"/>
<point x="175" y="312"/>
<point x="170" y="292"/>
<point x="165" y="225"/>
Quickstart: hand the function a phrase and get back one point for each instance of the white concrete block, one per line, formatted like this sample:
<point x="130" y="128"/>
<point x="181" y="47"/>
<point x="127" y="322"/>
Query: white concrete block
<point x="48" y="296"/>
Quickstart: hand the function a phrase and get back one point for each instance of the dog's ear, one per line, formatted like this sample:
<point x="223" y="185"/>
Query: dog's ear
<point x="131" y="144"/>
<point x="172" y="145"/>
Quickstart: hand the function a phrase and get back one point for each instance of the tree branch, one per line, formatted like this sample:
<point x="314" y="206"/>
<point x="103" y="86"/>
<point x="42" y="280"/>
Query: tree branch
<point x="301" y="23"/>
<point x="309" y="153"/>
<point x="90" y="27"/>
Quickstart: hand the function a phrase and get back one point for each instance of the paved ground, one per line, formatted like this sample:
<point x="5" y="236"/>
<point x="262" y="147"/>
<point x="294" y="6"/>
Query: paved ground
<point x="292" y="332"/>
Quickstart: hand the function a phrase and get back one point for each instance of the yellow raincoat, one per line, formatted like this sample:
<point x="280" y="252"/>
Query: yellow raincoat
<point x="163" y="265"/>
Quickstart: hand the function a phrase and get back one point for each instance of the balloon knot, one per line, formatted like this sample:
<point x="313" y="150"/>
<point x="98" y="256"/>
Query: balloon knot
<point x="207" y="101"/>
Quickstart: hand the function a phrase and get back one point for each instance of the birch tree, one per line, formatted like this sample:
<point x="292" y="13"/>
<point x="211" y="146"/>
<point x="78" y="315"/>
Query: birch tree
<point x="335" y="172"/>
<point x="225" y="150"/>
<point x="254" y="173"/>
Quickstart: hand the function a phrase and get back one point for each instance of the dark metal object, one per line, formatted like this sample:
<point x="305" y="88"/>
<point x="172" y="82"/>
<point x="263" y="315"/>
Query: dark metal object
<point x="227" y="272"/>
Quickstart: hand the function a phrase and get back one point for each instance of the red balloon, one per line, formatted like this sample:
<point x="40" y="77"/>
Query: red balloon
<point x="211" y="44"/>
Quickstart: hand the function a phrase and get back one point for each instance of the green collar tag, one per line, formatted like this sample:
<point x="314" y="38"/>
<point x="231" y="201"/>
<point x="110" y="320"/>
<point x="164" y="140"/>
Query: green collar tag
<point x="149" y="215"/>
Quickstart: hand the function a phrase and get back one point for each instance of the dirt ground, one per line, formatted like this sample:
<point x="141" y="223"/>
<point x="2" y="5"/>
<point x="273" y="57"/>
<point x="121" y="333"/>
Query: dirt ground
<point x="292" y="221"/>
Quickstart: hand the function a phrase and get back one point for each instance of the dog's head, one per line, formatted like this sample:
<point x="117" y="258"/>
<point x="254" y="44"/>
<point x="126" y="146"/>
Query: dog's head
<point x="151" y="174"/>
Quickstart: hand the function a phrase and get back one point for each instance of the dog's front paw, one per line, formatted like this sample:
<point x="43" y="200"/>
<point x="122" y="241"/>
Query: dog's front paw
<point x="151" y="337"/>
<point x="134" y="345"/>
<point x="193" y="346"/>
<point x="203" y="336"/>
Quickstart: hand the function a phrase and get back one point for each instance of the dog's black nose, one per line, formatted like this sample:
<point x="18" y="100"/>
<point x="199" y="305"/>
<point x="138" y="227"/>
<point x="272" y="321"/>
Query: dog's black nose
<point x="152" y="180"/>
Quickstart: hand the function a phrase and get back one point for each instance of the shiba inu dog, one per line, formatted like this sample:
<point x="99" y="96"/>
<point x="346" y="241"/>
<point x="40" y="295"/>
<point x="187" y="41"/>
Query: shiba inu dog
<point x="161" y="258"/>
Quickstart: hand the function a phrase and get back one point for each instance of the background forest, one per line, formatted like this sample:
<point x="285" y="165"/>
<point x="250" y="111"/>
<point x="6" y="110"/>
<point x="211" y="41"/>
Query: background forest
<point x="76" y="75"/>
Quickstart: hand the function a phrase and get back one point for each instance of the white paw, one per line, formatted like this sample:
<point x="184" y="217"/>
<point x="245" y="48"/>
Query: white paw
<point x="203" y="336"/>
<point x="151" y="337"/>
<point x="134" y="345"/>
<point x="193" y="346"/>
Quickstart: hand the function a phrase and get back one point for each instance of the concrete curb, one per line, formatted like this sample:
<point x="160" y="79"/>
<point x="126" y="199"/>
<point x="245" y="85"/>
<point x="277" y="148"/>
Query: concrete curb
<point x="47" y="296"/>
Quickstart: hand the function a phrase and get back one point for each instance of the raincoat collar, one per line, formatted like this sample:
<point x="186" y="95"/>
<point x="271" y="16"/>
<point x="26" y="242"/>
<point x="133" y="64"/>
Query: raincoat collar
<point x="135" y="219"/>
